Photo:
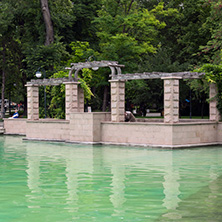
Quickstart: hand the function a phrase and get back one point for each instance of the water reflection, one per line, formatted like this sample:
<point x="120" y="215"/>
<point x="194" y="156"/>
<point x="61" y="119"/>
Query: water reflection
<point x="115" y="183"/>
<point x="75" y="166"/>
<point x="171" y="185"/>
<point x="118" y="185"/>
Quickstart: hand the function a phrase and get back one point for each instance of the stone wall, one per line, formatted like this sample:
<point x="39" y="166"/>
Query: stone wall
<point x="161" y="135"/>
<point x="194" y="133"/>
<point x="86" y="127"/>
<point x="15" y="126"/>
<point x="219" y="132"/>
<point x="57" y="130"/>
<point x="137" y="133"/>
<point x="97" y="128"/>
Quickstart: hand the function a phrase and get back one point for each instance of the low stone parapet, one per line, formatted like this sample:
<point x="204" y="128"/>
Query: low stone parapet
<point x="179" y="135"/>
<point x="15" y="126"/>
<point x="48" y="129"/>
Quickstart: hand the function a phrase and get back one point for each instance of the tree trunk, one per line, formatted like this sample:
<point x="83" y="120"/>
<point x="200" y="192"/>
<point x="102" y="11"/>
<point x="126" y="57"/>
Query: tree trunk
<point x="3" y="83"/>
<point x="48" y="22"/>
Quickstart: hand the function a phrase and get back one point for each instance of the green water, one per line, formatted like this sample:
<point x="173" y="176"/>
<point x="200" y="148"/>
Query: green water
<point x="52" y="182"/>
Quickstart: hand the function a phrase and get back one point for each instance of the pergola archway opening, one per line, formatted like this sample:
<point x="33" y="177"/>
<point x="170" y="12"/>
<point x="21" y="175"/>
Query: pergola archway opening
<point x="193" y="104"/>
<point x="144" y="98"/>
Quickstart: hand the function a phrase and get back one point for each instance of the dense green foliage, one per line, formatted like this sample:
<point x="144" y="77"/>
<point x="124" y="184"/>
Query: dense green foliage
<point x="154" y="35"/>
<point x="214" y="76"/>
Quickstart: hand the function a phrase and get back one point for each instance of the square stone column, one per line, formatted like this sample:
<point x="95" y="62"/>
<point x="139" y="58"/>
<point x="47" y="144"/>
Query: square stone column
<point x="171" y="99"/>
<point x="74" y="98"/>
<point x="33" y="102"/>
<point x="214" y="113"/>
<point x="117" y="100"/>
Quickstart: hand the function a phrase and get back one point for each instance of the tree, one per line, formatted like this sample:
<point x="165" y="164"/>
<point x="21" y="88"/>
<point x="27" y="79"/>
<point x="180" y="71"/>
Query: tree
<point x="213" y="74"/>
<point x="212" y="49"/>
<point x="6" y="26"/>
<point x="48" y="22"/>
<point x="26" y="46"/>
<point x="183" y="34"/>
<point x="128" y="31"/>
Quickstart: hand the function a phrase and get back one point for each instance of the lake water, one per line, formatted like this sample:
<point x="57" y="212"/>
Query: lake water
<point x="42" y="181"/>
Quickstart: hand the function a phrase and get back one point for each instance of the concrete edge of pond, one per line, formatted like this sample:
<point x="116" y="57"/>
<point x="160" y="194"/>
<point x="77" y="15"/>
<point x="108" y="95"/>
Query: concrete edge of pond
<point x="185" y="146"/>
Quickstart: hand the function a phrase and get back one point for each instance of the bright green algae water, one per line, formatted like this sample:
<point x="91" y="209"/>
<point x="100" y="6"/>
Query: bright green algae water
<point x="52" y="182"/>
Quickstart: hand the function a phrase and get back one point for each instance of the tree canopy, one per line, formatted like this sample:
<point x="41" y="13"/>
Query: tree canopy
<point x="155" y="35"/>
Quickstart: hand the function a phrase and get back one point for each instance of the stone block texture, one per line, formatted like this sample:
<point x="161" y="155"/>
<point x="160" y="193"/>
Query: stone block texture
<point x="33" y="102"/>
<point x="171" y="100"/>
<point x="48" y="130"/>
<point x="214" y="113"/>
<point x="117" y="100"/>
<point x="15" y="126"/>
<point x="86" y="127"/>
<point x="74" y="98"/>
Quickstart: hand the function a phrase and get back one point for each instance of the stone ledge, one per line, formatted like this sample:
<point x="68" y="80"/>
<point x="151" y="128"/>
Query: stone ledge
<point x="164" y="146"/>
<point x="148" y="146"/>
<point x="14" y="134"/>
<point x="16" y="119"/>
<point x="49" y="121"/>
<point x="156" y="122"/>
<point x="43" y="140"/>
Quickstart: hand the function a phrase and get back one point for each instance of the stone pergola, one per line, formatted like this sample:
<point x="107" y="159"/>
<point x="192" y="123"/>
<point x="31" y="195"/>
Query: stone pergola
<point x="171" y="94"/>
<point x="74" y="97"/>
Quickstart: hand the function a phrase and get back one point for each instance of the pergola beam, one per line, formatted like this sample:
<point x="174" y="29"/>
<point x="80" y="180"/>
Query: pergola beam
<point x="48" y="82"/>
<point x="158" y="75"/>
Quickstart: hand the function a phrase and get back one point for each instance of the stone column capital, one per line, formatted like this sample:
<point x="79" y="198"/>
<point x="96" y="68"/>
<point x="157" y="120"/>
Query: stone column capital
<point x="171" y="77"/>
<point x="116" y="80"/>
<point x="72" y="83"/>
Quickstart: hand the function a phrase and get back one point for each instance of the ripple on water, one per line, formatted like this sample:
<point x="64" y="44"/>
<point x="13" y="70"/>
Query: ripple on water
<point x="58" y="182"/>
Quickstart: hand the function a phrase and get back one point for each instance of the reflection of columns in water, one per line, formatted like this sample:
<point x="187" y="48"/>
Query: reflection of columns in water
<point x="171" y="185"/>
<point x="33" y="177"/>
<point x="75" y="165"/>
<point x="33" y="163"/>
<point x="117" y="197"/>
<point x="213" y="186"/>
<point x="72" y="184"/>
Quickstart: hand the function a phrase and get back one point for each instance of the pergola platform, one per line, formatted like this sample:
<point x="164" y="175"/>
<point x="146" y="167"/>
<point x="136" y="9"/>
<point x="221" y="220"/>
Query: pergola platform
<point x="111" y="128"/>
